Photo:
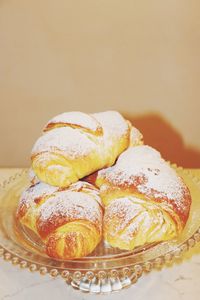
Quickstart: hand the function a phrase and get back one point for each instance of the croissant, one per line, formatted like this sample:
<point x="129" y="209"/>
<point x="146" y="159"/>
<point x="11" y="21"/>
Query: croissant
<point x="32" y="177"/>
<point x="146" y="201"/>
<point x="67" y="220"/>
<point x="75" y="144"/>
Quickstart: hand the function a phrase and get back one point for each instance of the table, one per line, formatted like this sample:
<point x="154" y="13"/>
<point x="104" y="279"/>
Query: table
<point x="181" y="281"/>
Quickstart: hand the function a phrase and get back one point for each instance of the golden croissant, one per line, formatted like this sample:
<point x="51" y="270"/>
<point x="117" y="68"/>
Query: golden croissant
<point x="68" y="220"/>
<point x="146" y="201"/>
<point x="75" y="144"/>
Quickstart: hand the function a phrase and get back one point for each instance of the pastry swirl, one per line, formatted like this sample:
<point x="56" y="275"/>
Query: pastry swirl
<point x="142" y="191"/>
<point x="75" y="144"/>
<point x="68" y="221"/>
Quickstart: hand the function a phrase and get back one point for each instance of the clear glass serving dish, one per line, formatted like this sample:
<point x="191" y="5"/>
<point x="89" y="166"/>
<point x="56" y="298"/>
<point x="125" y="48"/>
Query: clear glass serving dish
<point x="107" y="269"/>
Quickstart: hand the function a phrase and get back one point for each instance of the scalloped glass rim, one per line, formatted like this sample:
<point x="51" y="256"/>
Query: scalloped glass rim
<point x="118" y="268"/>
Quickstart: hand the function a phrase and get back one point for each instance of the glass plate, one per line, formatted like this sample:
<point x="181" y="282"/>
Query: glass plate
<point x="106" y="269"/>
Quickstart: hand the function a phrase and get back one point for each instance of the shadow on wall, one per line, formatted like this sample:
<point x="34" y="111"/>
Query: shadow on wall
<point x="160" y="134"/>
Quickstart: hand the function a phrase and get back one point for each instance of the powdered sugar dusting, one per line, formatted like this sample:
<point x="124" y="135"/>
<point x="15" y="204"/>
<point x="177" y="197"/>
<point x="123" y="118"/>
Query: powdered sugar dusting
<point x="76" y="118"/>
<point x="80" y="199"/>
<point x="74" y="143"/>
<point x="143" y="165"/>
<point x="143" y="169"/>
<point x="85" y="187"/>
<point x="71" y="141"/>
<point x="135" y="222"/>
<point x="124" y="210"/>
<point x="72" y="206"/>
<point x="112" y="122"/>
<point x="36" y="191"/>
<point x="33" y="177"/>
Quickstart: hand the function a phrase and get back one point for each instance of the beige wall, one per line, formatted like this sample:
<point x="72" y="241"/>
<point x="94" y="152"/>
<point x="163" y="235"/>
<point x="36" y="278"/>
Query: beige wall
<point x="139" y="57"/>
